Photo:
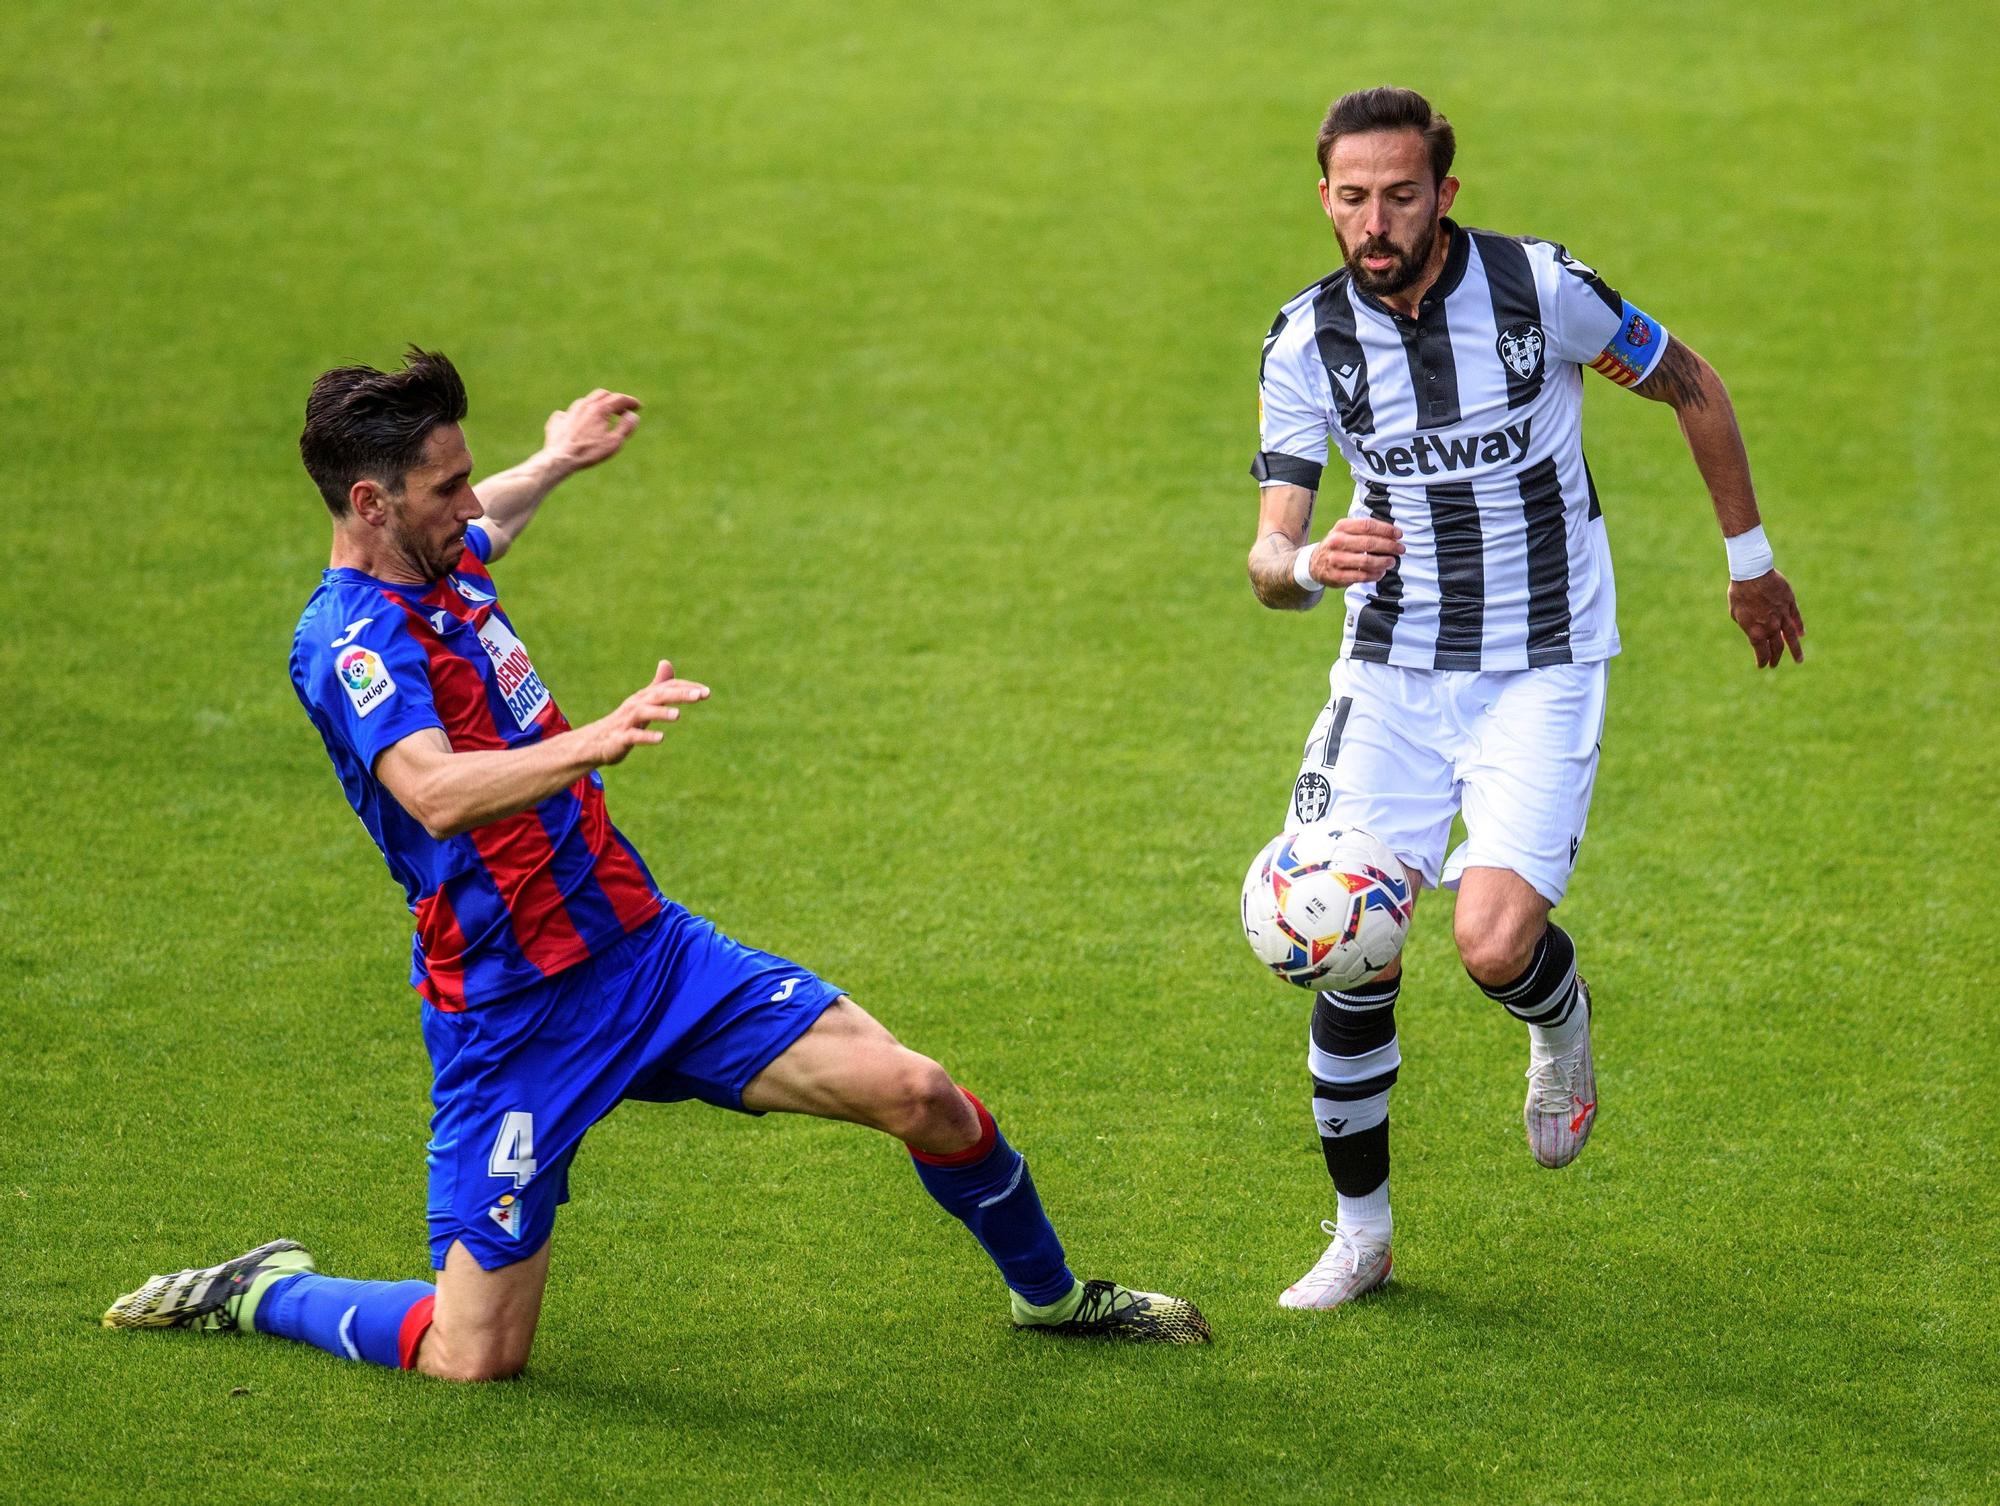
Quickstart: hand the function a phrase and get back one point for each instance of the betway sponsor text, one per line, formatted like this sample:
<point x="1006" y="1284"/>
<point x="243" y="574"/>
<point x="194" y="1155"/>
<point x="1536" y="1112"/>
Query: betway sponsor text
<point x="1428" y="456"/>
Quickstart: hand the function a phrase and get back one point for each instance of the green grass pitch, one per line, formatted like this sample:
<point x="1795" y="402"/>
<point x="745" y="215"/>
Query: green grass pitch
<point x="946" y="320"/>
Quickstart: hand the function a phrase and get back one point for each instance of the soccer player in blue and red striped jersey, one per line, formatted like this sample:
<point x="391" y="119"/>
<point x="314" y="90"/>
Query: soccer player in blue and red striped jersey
<point x="557" y="981"/>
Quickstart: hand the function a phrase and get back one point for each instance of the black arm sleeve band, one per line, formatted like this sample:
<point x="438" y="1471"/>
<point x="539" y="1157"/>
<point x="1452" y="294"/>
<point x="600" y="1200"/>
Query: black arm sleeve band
<point x="1271" y="466"/>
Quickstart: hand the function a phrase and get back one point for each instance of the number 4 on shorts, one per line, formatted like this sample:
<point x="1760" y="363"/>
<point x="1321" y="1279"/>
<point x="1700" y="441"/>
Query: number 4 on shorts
<point x="514" y="1150"/>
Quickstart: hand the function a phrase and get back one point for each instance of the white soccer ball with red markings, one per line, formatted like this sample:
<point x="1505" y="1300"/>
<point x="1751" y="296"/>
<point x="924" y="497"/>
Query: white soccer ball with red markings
<point x="1325" y="908"/>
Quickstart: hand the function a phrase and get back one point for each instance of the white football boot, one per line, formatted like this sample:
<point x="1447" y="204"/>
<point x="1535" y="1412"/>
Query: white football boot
<point x="1352" y="1266"/>
<point x="1562" y="1095"/>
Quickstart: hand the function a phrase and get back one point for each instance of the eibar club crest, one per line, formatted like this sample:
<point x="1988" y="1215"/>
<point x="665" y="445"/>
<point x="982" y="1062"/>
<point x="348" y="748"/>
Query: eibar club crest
<point x="507" y="1214"/>
<point x="1520" y="347"/>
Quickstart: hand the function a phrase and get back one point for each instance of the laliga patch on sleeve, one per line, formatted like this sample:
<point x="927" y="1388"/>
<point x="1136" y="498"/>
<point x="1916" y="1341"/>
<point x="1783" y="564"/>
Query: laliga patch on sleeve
<point x="364" y="677"/>
<point x="1632" y="353"/>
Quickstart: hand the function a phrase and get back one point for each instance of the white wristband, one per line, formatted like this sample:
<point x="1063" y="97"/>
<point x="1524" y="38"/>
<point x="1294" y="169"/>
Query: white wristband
<point x="1749" y="554"/>
<point x="1302" y="571"/>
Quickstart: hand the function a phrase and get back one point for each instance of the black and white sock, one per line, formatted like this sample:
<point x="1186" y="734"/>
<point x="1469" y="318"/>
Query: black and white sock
<point x="1544" y="997"/>
<point x="1354" y="1060"/>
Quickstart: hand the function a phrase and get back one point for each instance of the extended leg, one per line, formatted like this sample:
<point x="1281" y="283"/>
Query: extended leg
<point x="848" y="1067"/>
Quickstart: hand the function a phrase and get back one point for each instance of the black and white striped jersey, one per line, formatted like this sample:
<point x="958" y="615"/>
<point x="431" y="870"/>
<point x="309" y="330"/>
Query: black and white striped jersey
<point x="1463" y="427"/>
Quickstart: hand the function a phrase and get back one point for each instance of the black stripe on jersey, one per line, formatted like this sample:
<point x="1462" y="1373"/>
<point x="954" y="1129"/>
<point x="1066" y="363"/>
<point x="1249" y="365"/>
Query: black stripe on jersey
<point x="1548" y="565"/>
<point x="1376" y="626"/>
<point x="1511" y="282"/>
<point x="1278" y="324"/>
<point x="1591" y="482"/>
<point x="1461" y="568"/>
<point x="1588" y="275"/>
<point x="1270" y="465"/>
<point x="1433" y="368"/>
<point x="1340" y="352"/>
<point x="1334" y="729"/>
<point x="1277" y="328"/>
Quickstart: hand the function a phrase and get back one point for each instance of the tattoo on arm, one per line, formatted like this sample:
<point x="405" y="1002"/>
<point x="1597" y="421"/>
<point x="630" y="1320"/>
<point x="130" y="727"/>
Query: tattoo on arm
<point x="1677" y="380"/>
<point x="1271" y="573"/>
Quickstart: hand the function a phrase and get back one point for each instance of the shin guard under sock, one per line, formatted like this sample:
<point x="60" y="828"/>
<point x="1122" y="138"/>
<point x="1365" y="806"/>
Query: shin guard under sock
<point x="381" y="1322"/>
<point x="987" y="1188"/>
<point x="1354" y="1059"/>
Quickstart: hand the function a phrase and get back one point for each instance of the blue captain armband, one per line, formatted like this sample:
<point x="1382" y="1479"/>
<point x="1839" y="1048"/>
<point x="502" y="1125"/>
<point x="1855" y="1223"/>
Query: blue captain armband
<point x="1631" y="354"/>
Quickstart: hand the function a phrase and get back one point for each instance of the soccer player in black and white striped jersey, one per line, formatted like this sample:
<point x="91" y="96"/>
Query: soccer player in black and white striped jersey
<point x="1445" y="365"/>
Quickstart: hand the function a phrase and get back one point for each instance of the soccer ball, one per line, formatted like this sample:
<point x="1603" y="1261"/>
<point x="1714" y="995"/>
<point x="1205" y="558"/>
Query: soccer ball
<point x="1325" y="908"/>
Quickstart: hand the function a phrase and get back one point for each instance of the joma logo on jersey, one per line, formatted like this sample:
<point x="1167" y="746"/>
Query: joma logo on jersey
<point x="520" y="687"/>
<point x="1429" y="456"/>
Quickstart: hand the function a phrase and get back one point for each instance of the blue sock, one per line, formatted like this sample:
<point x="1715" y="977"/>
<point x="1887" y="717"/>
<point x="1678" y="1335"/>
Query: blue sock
<point x="377" y="1321"/>
<point x="988" y="1189"/>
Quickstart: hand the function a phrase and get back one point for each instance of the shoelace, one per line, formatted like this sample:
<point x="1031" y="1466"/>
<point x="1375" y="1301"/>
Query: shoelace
<point x="1552" y="1083"/>
<point x="1342" y="1257"/>
<point x="1106" y="1303"/>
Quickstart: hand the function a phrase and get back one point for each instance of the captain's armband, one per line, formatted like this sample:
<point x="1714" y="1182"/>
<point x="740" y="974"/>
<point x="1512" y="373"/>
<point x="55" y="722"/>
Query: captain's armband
<point x="1629" y="357"/>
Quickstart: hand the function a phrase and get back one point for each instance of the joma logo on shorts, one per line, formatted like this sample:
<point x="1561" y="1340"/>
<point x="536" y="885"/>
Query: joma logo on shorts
<point x="1426" y="456"/>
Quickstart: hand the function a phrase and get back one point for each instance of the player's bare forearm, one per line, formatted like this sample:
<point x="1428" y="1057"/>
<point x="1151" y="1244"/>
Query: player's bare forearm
<point x="1762" y="606"/>
<point x="1355" y="551"/>
<point x="589" y="431"/>
<point x="512" y="497"/>
<point x="451" y="793"/>
<point x="1271" y="565"/>
<point x="1689" y="385"/>
<point x="1284" y="523"/>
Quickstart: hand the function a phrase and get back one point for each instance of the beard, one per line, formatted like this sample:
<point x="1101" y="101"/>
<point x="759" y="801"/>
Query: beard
<point x="1407" y="267"/>
<point x="429" y="559"/>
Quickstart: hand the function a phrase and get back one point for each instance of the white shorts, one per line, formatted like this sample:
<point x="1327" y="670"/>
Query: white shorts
<point x="1398" y="752"/>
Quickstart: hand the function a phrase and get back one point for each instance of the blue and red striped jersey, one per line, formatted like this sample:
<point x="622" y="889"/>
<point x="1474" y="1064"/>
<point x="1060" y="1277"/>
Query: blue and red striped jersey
<point x="506" y="904"/>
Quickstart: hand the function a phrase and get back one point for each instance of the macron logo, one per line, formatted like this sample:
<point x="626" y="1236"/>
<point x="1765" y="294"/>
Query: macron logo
<point x="1346" y="376"/>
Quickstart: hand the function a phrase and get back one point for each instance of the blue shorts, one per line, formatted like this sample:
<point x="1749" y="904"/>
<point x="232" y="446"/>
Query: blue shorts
<point x="675" y="1010"/>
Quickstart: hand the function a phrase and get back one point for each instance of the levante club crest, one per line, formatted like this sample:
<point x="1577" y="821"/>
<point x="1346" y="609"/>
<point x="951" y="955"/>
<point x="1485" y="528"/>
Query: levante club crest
<point x="1520" y="346"/>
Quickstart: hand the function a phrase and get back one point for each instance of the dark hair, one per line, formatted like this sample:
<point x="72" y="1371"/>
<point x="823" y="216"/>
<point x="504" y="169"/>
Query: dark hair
<point x="1388" y="109"/>
<point x="361" y="422"/>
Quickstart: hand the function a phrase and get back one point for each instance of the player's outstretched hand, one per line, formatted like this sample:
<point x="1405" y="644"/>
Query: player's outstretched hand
<point x="610" y="738"/>
<point x="1356" y="550"/>
<point x="591" y="429"/>
<point x="1768" y="613"/>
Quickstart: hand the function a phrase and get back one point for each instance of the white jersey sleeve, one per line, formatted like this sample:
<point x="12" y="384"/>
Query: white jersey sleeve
<point x="1294" y="402"/>
<point x="1591" y="325"/>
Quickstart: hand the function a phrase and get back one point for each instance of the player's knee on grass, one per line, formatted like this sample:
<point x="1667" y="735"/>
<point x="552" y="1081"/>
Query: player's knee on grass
<point x="471" y="1368"/>
<point x="476" y="1351"/>
<point x="484" y="1322"/>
